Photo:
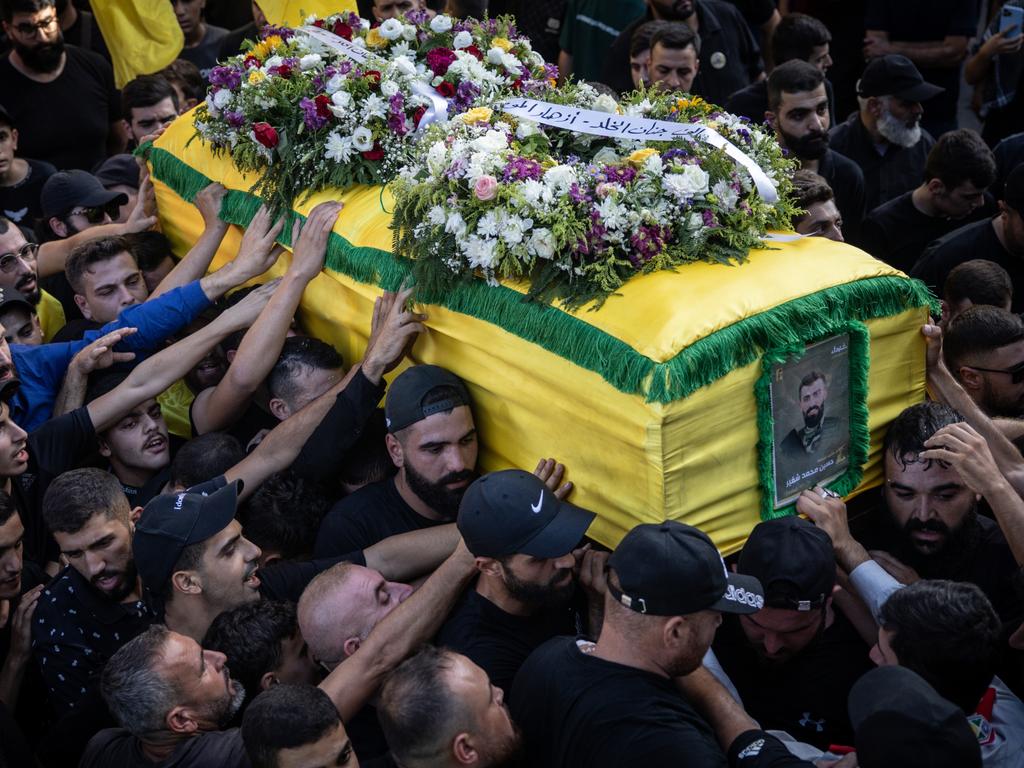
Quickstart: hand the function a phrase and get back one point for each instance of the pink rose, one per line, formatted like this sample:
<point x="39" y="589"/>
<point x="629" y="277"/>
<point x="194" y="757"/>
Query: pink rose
<point x="486" y="188"/>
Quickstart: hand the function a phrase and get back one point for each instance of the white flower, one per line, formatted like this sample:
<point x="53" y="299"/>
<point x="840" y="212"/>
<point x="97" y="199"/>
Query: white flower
<point x="727" y="196"/>
<point x="440" y="23"/>
<point x="694" y="222"/>
<point x="362" y="139"/>
<point x="514" y="229"/>
<point x="526" y="128"/>
<point x="605" y="103"/>
<point x="690" y="182"/>
<point x="455" y="225"/>
<point x="374" y="106"/>
<point x="222" y="98"/>
<point x="402" y="48"/>
<point x="612" y="214"/>
<point x="488" y="224"/>
<point x="559" y="178"/>
<point x="462" y="40"/>
<point x="338" y="148"/>
<point x="309" y="61"/>
<point x="511" y="63"/>
<point x="437" y="216"/>
<point x="334" y="84"/>
<point x="532" y="191"/>
<point x="606" y="156"/>
<point x="404" y="65"/>
<point x="481" y="252"/>
<point x="389" y="88"/>
<point x="273" y="61"/>
<point x="340" y="103"/>
<point x="492" y="141"/>
<point x="653" y="165"/>
<point x="390" y="29"/>
<point x="437" y="157"/>
<point x="408" y="32"/>
<point x="542" y="243"/>
<point x="494" y="55"/>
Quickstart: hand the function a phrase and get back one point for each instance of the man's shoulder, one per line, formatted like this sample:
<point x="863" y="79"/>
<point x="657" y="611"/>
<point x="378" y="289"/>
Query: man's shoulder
<point x="367" y="500"/>
<point x="890" y="209"/>
<point x="88" y="60"/>
<point x="845" y="167"/>
<point x="953" y="244"/>
<point x="111" y="746"/>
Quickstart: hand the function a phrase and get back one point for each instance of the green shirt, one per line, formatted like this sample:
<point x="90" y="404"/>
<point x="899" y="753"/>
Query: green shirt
<point x="591" y="27"/>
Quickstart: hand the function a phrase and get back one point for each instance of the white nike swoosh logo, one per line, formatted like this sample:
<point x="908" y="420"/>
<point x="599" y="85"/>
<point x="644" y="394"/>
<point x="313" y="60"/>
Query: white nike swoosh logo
<point x="536" y="507"/>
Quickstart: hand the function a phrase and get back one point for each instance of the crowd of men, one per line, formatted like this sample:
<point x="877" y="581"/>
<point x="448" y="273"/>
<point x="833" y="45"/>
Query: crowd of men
<point x="218" y="549"/>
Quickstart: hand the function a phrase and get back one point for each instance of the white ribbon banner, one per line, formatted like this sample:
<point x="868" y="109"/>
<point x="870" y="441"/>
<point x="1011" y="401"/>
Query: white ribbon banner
<point x="437" y="105"/>
<point x="641" y="128"/>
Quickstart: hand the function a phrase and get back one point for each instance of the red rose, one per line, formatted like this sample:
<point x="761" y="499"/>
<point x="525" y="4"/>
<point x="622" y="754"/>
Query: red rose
<point x="322" y="103"/>
<point x="517" y="85"/>
<point x="372" y="74"/>
<point x="418" y="115"/>
<point x="284" y="70"/>
<point x="473" y="50"/>
<point x="446" y="89"/>
<point x="374" y="154"/>
<point x="439" y="59"/>
<point x="250" y="61"/>
<point x="265" y="134"/>
<point x="319" y="23"/>
<point x="341" y="29"/>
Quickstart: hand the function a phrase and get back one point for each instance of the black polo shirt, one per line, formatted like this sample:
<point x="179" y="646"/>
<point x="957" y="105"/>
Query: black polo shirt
<point x="847" y="182"/>
<point x="730" y="58"/>
<point x="887" y="174"/>
<point x="75" y="631"/>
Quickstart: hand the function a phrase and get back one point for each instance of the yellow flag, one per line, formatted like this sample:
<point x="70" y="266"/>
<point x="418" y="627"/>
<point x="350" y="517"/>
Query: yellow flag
<point x="143" y="36"/>
<point x="290" y="13"/>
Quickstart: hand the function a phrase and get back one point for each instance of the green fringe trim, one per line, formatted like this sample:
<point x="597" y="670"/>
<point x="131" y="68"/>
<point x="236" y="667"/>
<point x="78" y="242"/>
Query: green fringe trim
<point x="566" y="335"/>
<point x="860" y="434"/>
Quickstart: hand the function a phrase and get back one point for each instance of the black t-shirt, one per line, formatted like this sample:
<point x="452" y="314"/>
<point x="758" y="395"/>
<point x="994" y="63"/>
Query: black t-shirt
<point x="1009" y="154"/>
<point x="541" y="22"/>
<point x="847" y="182"/>
<point x="33" y="708"/>
<point x="217" y="749"/>
<point x="576" y="709"/>
<point x="804" y="696"/>
<point x="20" y="202"/>
<point x="141" y="495"/>
<point x="205" y="54"/>
<point x="752" y="102"/>
<point x="84" y="93"/>
<point x="371" y="514"/>
<point x="898" y="233"/>
<point x="499" y="642"/>
<point x="974" y="241"/>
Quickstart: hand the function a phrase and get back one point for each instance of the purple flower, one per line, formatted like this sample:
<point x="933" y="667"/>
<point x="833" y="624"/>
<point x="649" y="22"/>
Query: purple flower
<point x="345" y="67"/>
<point x="310" y="117"/>
<point x="709" y="219"/>
<point x="226" y="77"/>
<point x="579" y="196"/>
<point x="521" y="168"/>
<point x="396" y="116"/>
<point x="647" y="243"/>
<point x="465" y="94"/>
<point x="235" y="119"/>
<point x="621" y="174"/>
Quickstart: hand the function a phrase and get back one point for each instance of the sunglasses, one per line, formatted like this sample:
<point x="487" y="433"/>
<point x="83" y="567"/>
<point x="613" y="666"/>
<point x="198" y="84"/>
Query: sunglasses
<point x="94" y="214"/>
<point x="9" y="261"/>
<point x="30" y="30"/>
<point x="1016" y="372"/>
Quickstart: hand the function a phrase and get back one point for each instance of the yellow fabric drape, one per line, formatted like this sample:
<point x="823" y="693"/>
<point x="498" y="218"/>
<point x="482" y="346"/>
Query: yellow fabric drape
<point x="143" y="36"/>
<point x="291" y="13"/>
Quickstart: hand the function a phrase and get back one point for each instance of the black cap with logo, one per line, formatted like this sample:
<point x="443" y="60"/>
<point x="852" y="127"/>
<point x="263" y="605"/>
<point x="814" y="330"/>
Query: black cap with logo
<point x="10" y="297"/>
<point x="404" y="404"/>
<point x="513" y="512"/>
<point x="66" y="190"/>
<point x="895" y="75"/>
<point x="794" y="561"/>
<point x="673" y="569"/>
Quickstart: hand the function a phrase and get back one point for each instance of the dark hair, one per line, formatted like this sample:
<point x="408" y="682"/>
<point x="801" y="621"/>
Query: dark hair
<point x="961" y="156"/>
<point x="909" y="431"/>
<point x="103" y="382"/>
<point x="204" y="458"/>
<point x="796" y="37"/>
<point x="979" y="329"/>
<point x="676" y="36"/>
<point x="188" y="560"/>
<point x="251" y="636"/>
<point x="948" y="633"/>
<point x="146" y="91"/>
<point x="7" y="507"/>
<point x="284" y="515"/>
<point x="187" y="77"/>
<point x="11" y="7"/>
<point x="5" y="224"/>
<point x="1013" y="191"/>
<point x="297" y="355"/>
<point x="463" y="9"/>
<point x="93" y="252"/>
<point x="6" y="119"/>
<point x="286" y="717"/>
<point x="137" y="696"/>
<point x="74" y="497"/>
<point x="810" y="378"/>
<point x="149" y="248"/>
<point x="979" y="281"/>
<point x="416" y="709"/>
<point x="809" y="188"/>
<point x="641" y="39"/>
<point x="368" y="460"/>
<point x="793" y="76"/>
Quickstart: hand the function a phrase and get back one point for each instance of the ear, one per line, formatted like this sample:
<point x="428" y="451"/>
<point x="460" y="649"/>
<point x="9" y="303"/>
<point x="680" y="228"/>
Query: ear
<point x="463" y="750"/>
<point x="945" y="312"/>
<point x="128" y="129"/>
<point x="969" y="378"/>
<point x="769" y="117"/>
<point x="180" y="720"/>
<point x="1017" y="639"/>
<point x="488" y="565"/>
<point x="83" y="306"/>
<point x="59" y="228"/>
<point x="230" y="355"/>
<point x="875" y="106"/>
<point x="351" y="646"/>
<point x="675" y="631"/>
<point x="279" y="408"/>
<point x="186" y="582"/>
<point x="135" y="515"/>
<point x="268" y="681"/>
<point x="104" y="449"/>
<point x="14" y="132"/>
<point x="935" y="186"/>
<point x="395" y="450"/>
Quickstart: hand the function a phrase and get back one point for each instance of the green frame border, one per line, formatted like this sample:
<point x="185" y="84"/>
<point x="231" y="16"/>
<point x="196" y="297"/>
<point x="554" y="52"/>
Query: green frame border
<point x="571" y="338"/>
<point x="860" y="433"/>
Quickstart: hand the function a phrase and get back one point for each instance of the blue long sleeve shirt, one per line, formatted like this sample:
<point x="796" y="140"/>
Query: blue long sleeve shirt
<point x="41" y="368"/>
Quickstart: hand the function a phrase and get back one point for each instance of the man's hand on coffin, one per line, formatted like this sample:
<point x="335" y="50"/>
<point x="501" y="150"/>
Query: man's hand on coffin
<point x="309" y="244"/>
<point x="259" y="250"/>
<point x="828" y="512"/>
<point x="551" y="472"/>
<point x="208" y="200"/>
<point x="393" y="331"/>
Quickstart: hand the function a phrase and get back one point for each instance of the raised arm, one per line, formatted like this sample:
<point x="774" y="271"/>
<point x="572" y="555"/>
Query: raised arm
<point x="153" y="376"/>
<point x="96" y="356"/>
<point x="197" y="261"/>
<point x="996" y="44"/>
<point x="407" y="556"/>
<point x="218" y="407"/>
<point x="947" y="52"/>
<point x="256" y="254"/>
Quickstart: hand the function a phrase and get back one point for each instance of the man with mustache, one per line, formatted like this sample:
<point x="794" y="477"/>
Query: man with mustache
<point x="798" y="111"/>
<point x="525" y="542"/>
<point x="819" y="435"/>
<point x="885" y="137"/>
<point x="41" y="73"/>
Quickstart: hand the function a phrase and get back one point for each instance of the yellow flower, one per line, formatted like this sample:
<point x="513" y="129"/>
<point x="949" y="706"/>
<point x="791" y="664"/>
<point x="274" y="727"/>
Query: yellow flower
<point x="261" y="49"/>
<point x="256" y="76"/>
<point x="374" y="39"/>
<point x="478" y="115"/>
<point x="501" y="42"/>
<point x="641" y="155"/>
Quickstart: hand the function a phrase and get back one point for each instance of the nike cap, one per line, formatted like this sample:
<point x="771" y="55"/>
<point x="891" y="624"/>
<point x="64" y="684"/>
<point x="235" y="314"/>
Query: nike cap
<point x="673" y="569"/>
<point x="406" y="399"/>
<point x="513" y="512"/>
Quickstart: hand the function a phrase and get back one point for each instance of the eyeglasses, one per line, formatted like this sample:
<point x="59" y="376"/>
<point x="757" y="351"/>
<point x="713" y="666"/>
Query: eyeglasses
<point x="9" y="261"/>
<point x="30" y="30"/>
<point x="1015" y="372"/>
<point x="94" y="214"/>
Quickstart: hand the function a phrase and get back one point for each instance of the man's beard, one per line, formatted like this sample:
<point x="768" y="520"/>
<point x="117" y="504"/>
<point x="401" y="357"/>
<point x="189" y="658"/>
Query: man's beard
<point x="995" y="406"/>
<point x="509" y="754"/>
<point x="36" y="294"/>
<point x="444" y="501"/>
<point x="675" y="10"/>
<point x="129" y="578"/>
<point x="897" y="132"/>
<point x="812" y="420"/>
<point x="44" y="57"/>
<point x="540" y="595"/>
<point x="945" y="560"/>
<point x="221" y="712"/>
<point x="811" y="146"/>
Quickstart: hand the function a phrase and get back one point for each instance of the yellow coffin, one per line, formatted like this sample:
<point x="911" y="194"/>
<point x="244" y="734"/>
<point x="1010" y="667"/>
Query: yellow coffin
<point x="649" y="401"/>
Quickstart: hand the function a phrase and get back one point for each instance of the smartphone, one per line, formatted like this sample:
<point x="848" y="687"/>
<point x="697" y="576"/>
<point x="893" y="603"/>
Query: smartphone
<point x="1011" y="16"/>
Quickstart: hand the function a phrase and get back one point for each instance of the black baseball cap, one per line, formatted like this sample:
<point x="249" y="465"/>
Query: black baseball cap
<point x="9" y="296"/>
<point x="65" y="190"/>
<point x="1013" y="192"/>
<point x="173" y="521"/>
<point x="404" y="404"/>
<point x="119" y="170"/>
<point x="899" y="719"/>
<point x="794" y="561"/>
<point x="512" y="512"/>
<point x="674" y="569"/>
<point x="895" y="75"/>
